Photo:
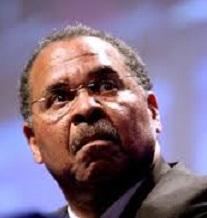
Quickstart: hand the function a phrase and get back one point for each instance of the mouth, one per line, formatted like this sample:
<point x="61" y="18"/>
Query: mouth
<point x="94" y="140"/>
<point x="98" y="153"/>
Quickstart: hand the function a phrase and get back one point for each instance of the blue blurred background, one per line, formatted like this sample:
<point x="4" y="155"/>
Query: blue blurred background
<point x="171" y="36"/>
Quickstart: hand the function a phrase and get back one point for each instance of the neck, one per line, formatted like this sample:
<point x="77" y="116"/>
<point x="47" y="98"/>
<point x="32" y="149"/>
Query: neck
<point x="92" y="200"/>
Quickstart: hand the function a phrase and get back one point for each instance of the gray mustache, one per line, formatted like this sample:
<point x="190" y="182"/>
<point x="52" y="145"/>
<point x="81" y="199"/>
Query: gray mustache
<point x="102" y="129"/>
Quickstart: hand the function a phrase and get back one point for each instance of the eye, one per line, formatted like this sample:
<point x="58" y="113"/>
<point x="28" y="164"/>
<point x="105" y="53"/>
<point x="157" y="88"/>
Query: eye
<point x="62" y="96"/>
<point x="59" y="98"/>
<point x="108" y="87"/>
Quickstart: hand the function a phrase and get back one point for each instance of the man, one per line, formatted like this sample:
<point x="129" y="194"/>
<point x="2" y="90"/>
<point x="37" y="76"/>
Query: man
<point x="93" y="120"/>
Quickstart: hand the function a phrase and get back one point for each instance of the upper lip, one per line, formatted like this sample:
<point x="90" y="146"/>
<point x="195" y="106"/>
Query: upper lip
<point x="88" y="139"/>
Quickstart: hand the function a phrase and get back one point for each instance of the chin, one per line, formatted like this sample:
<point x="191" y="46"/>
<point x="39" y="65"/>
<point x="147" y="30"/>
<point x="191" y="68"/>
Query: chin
<point x="98" y="171"/>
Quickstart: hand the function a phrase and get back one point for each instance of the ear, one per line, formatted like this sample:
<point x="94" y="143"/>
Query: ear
<point x="31" y="139"/>
<point x="153" y="107"/>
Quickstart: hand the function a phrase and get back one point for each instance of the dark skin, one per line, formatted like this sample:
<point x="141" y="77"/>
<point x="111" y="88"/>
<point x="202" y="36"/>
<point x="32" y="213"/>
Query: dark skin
<point x="102" y="143"/>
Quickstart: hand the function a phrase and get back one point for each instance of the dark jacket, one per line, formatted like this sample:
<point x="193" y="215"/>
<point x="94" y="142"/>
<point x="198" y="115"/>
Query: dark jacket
<point x="170" y="192"/>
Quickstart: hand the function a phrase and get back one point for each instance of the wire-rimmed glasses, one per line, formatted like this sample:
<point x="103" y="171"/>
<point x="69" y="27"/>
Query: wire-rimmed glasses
<point x="60" y="100"/>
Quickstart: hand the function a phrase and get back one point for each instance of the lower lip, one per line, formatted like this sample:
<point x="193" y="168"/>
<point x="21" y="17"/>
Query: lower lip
<point x="98" y="152"/>
<point x="98" y="143"/>
<point x="98" y="147"/>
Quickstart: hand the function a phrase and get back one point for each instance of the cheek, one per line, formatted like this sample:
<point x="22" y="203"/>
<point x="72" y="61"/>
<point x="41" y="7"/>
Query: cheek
<point x="130" y="116"/>
<point x="54" y="147"/>
<point x="124" y="111"/>
<point x="52" y="134"/>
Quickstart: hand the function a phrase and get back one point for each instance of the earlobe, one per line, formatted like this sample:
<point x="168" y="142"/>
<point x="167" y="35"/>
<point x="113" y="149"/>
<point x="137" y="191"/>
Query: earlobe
<point x="31" y="139"/>
<point x="153" y="107"/>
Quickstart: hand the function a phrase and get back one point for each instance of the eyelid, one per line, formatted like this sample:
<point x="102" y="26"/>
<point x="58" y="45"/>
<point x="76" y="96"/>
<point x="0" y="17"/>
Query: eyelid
<point x="52" y="91"/>
<point x="111" y="82"/>
<point x="59" y="89"/>
<point x="97" y="84"/>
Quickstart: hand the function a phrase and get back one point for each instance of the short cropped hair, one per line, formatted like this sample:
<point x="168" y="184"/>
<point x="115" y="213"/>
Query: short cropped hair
<point x="132" y="60"/>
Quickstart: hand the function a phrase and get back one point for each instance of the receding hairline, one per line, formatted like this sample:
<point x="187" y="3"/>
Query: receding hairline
<point x="131" y="58"/>
<point x="53" y="45"/>
<point x="90" y="48"/>
<point x="72" y="40"/>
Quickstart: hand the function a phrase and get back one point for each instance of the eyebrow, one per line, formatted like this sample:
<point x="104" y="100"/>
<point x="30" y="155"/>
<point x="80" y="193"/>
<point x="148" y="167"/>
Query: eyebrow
<point x="56" y="86"/>
<point x="106" y="72"/>
<point x="101" y="72"/>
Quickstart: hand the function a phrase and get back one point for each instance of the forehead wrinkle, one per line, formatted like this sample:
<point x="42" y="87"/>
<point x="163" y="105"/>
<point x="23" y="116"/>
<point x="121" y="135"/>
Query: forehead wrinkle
<point x="101" y="71"/>
<point x="69" y="59"/>
<point x="52" y="66"/>
<point x="60" y="60"/>
<point x="79" y="56"/>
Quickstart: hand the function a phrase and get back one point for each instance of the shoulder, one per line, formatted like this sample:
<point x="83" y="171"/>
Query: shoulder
<point x="196" y="210"/>
<point x="176" y="190"/>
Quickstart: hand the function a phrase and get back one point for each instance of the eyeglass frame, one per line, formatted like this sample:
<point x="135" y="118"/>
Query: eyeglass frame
<point x="81" y="86"/>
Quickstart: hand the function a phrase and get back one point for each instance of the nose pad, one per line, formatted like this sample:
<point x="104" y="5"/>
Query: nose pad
<point x="87" y="109"/>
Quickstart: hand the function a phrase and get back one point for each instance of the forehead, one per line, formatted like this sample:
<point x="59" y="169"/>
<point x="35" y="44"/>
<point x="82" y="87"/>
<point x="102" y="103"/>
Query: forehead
<point x="72" y="60"/>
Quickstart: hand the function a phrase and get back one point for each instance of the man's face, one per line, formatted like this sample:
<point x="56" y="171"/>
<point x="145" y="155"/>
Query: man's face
<point x="89" y="132"/>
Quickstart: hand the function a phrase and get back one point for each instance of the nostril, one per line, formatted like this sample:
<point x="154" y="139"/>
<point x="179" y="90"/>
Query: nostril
<point x="93" y="116"/>
<point x="79" y="119"/>
<point x="96" y="115"/>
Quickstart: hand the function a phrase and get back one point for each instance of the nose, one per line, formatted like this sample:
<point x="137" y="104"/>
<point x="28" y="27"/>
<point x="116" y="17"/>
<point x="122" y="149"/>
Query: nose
<point x="86" y="108"/>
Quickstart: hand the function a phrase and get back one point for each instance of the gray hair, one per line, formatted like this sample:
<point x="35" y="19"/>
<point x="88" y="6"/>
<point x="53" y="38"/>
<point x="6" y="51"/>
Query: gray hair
<point x="132" y="60"/>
